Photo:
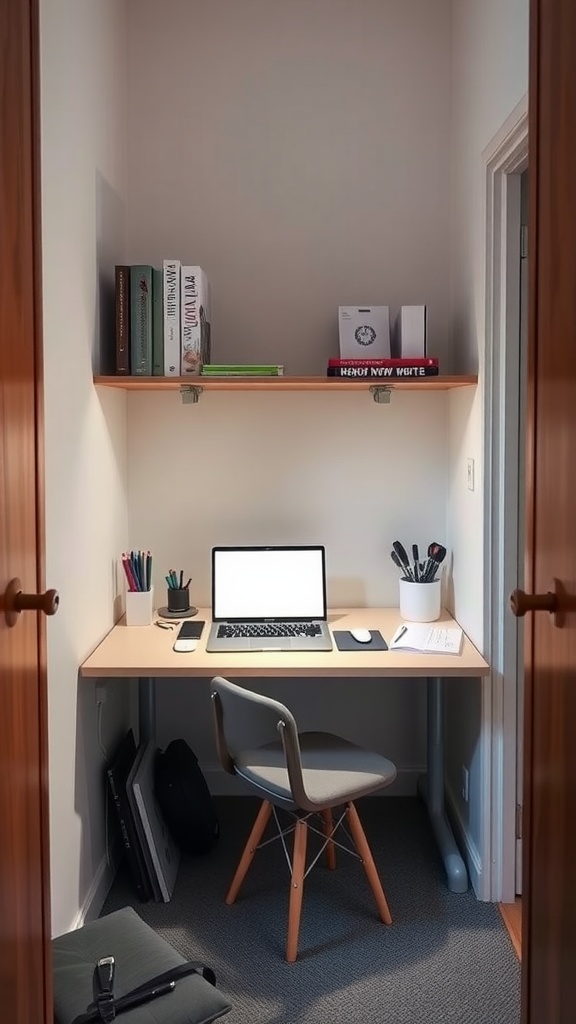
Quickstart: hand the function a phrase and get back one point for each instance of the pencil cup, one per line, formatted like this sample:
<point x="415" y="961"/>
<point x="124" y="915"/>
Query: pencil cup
<point x="420" y="602"/>
<point x="139" y="607"/>
<point x="178" y="599"/>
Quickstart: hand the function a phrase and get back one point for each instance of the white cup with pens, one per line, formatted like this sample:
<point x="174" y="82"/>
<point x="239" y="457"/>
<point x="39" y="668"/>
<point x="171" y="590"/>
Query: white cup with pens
<point x="137" y="566"/>
<point x="420" y="588"/>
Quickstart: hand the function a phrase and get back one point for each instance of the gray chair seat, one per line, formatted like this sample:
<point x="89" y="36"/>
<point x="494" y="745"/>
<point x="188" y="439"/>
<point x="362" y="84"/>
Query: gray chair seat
<point x="334" y="770"/>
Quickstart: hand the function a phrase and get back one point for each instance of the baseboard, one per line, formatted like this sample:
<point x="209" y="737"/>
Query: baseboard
<point x="466" y="844"/>
<point x="221" y="784"/>
<point x="100" y="887"/>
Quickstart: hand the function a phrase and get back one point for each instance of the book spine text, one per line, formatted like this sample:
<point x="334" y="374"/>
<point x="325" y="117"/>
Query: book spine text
<point x="171" y="307"/>
<point x="141" y="320"/>
<point x="387" y="372"/>
<point x="122" y="292"/>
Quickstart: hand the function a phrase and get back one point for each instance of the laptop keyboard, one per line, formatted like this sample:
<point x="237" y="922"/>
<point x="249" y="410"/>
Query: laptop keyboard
<point x="267" y="629"/>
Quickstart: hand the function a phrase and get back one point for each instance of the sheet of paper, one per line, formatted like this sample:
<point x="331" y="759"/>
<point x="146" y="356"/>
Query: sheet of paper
<point x="427" y="639"/>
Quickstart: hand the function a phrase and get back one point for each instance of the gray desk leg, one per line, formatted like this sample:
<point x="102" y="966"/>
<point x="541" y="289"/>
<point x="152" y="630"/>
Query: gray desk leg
<point x="432" y="790"/>
<point x="146" y="709"/>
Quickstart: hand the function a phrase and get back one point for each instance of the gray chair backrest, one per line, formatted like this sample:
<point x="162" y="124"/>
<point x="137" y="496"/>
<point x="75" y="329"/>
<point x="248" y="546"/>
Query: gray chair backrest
<point x="245" y="720"/>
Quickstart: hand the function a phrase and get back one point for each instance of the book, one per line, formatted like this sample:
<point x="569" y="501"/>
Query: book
<point x="171" y="307"/>
<point x="141" y="320"/>
<point x="411" y="327"/>
<point x="122" y="300"/>
<point x="157" y="323"/>
<point x="243" y="370"/>
<point x="117" y="774"/>
<point x="430" y="361"/>
<point x="195" y="320"/>
<point x="387" y="372"/>
<point x="427" y="639"/>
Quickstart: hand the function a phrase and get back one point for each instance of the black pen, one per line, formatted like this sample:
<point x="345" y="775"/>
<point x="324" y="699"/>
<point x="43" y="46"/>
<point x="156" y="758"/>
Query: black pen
<point x="144" y="997"/>
<point x="400" y="634"/>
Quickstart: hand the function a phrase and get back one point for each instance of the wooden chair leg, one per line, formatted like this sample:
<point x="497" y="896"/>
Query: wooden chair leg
<point x="330" y="849"/>
<point x="249" y="850"/>
<point x="368" y="863"/>
<point x="296" y="890"/>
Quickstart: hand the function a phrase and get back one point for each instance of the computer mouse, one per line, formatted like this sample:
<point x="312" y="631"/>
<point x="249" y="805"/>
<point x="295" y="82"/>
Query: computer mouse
<point x="362" y="636"/>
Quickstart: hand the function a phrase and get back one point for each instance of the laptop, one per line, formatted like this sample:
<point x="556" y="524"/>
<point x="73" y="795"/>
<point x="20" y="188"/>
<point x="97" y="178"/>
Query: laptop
<point x="269" y="599"/>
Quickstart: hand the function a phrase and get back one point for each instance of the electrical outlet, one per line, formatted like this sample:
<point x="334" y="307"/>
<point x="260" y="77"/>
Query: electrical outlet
<point x="465" y="783"/>
<point x="100" y="690"/>
<point x="470" y="474"/>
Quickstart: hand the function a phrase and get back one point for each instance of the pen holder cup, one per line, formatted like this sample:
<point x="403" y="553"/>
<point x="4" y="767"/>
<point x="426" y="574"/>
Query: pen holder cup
<point x="178" y="599"/>
<point x="139" y="607"/>
<point x="420" y="602"/>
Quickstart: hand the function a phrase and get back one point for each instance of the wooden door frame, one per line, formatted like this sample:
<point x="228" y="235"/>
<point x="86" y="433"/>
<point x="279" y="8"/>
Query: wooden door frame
<point x="504" y="158"/>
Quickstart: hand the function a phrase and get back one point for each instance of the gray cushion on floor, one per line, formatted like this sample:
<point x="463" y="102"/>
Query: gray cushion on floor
<point x="140" y="955"/>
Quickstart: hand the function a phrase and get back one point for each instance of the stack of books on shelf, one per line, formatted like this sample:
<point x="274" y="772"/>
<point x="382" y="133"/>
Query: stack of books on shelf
<point x="163" y="318"/>
<point x="242" y="370"/>
<point x="387" y="369"/>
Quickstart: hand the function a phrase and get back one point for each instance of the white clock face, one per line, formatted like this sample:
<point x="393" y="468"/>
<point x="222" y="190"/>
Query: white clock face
<point x="365" y="335"/>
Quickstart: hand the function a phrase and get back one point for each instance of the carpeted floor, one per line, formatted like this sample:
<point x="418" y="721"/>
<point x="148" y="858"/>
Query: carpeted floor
<point x="446" y="957"/>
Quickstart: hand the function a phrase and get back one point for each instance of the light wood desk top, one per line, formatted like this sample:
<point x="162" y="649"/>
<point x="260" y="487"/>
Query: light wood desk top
<point x="138" y="651"/>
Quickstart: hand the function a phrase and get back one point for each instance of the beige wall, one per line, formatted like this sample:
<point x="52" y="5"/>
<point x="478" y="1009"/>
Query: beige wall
<point x="83" y="85"/>
<point x="298" y="151"/>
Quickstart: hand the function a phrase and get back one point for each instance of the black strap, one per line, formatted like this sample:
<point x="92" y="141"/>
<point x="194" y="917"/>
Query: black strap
<point x="160" y="985"/>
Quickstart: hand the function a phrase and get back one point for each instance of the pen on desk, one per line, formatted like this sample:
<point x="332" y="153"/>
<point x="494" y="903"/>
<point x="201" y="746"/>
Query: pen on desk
<point x="400" y="634"/>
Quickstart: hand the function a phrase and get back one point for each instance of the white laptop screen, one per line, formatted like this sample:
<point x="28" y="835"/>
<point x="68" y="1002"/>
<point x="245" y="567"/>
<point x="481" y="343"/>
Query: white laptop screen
<point x="270" y="582"/>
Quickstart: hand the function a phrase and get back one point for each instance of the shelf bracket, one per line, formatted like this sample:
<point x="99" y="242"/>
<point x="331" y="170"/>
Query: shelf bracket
<point x="381" y="395"/>
<point x="190" y="394"/>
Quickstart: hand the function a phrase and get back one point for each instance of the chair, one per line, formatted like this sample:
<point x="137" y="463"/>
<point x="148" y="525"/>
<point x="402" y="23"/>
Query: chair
<point x="307" y="774"/>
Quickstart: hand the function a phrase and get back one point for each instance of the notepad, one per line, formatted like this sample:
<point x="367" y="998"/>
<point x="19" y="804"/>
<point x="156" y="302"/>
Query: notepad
<point x="426" y="639"/>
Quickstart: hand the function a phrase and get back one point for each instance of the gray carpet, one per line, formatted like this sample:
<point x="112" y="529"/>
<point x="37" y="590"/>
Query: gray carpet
<point x="446" y="958"/>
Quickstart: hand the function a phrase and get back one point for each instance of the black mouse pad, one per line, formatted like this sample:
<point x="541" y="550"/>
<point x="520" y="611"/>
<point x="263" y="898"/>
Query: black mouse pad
<point x="346" y="642"/>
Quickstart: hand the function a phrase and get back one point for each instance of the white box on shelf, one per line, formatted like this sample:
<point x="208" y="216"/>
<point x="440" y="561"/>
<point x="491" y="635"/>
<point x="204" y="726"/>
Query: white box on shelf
<point x="411" y="332"/>
<point x="139" y="607"/>
<point x="364" y="332"/>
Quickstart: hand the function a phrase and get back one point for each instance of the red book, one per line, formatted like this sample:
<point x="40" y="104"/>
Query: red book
<point x="432" y="361"/>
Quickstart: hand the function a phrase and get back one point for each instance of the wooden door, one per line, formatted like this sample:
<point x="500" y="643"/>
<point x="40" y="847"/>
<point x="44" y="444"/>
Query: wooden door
<point x="549" y="870"/>
<point x="25" y="975"/>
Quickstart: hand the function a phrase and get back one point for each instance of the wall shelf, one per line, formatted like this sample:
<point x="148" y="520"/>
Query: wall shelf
<point x="440" y="383"/>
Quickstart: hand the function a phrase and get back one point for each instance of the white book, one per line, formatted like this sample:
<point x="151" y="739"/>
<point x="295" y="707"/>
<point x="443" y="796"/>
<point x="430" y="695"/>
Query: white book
<point x="429" y="640"/>
<point x="411" y="332"/>
<point x="171" y="311"/>
<point x="195" y="320"/>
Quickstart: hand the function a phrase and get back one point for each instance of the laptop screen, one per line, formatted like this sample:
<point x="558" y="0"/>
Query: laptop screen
<point x="268" y="583"/>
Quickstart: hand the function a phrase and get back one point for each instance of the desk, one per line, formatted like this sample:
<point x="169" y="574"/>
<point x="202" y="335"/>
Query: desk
<point x="145" y="652"/>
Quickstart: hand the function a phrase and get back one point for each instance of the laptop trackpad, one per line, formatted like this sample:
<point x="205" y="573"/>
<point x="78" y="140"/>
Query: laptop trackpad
<point x="269" y="643"/>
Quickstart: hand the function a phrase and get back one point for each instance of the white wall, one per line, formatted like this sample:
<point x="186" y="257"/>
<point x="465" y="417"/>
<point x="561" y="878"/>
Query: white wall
<point x="83" y="86"/>
<point x="489" y="78"/>
<point x="298" y="151"/>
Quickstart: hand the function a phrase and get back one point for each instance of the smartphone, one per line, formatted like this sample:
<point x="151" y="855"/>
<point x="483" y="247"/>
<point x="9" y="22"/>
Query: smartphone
<point x="191" y="630"/>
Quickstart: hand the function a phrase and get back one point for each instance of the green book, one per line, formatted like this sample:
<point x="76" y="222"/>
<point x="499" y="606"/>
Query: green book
<point x="141" y="320"/>
<point x="157" y="324"/>
<point x="243" y="370"/>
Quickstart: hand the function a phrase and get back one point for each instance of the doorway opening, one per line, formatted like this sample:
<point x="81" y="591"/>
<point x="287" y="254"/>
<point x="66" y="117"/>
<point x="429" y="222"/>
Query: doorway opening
<point x="506" y="164"/>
